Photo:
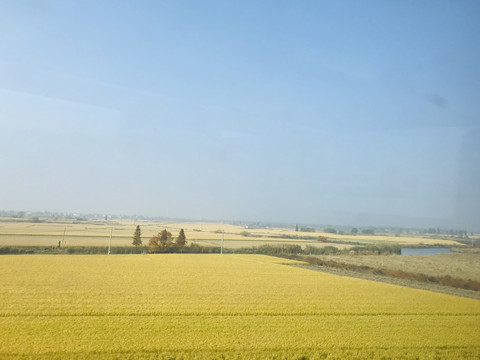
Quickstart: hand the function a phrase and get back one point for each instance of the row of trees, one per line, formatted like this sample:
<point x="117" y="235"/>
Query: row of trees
<point x="451" y="232"/>
<point x="162" y="241"/>
<point x="304" y="229"/>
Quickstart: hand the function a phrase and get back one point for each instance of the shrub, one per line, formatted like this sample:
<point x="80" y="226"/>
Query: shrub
<point x="307" y="229"/>
<point x="368" y="231"/>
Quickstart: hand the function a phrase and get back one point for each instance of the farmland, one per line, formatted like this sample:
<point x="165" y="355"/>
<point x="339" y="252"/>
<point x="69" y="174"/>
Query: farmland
<point x="97" y="233"/>
<point x="214" y="306"/>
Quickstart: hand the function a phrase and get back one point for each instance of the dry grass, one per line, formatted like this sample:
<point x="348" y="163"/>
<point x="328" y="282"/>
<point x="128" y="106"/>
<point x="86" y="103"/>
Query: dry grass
<point x="457" y="265"/>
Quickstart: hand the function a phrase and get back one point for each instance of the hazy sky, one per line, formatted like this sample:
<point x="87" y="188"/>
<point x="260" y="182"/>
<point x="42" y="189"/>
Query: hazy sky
<point x="328" y="112"/>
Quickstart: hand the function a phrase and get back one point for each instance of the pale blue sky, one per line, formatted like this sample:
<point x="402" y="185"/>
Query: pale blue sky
<point x="330" y="112"/>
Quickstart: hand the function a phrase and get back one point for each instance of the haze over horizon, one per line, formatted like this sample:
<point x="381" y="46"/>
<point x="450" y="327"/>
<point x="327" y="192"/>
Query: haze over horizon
<point x="335" y="112"/>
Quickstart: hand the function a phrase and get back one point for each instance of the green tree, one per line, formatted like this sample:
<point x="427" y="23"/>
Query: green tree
<point x="354" y="231"/>
<point x="181" y="239"/>
<point x="306" y="229"/>
<point x="368" y="231"/>
<point x="330" y="230"/>
<point x="137" y="237"/>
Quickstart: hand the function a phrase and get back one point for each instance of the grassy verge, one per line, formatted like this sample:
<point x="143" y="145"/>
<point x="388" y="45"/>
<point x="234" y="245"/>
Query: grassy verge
<point x="101" y="250"/>
<point x="442" y="280"/>
<point x="439" y="283"/>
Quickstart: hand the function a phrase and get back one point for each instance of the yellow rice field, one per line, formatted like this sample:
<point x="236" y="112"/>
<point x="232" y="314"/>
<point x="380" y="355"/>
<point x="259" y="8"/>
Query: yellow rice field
<point x="219" y="306"/>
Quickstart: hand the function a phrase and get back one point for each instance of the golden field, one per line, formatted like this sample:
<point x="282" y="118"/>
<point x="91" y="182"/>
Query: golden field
<point x="97" y="233"/>
<point x="219" y="306"/>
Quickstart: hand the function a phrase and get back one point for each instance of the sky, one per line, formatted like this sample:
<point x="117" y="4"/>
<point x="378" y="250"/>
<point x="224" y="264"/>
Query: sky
<point x="362" y="113"/>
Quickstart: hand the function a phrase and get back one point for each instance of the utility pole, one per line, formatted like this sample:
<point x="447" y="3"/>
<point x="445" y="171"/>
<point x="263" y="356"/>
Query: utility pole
<point x="110" y="240"/>
<point x="221" y="246"/>
<point x="63" y="238"/>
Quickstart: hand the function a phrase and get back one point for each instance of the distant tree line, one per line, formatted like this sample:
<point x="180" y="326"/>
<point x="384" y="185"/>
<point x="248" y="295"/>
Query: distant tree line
<point x="307" y="229"/>
<point x="354" y="231"/>
<point x="451" y="232"/>
<point x="368" y="231"/>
